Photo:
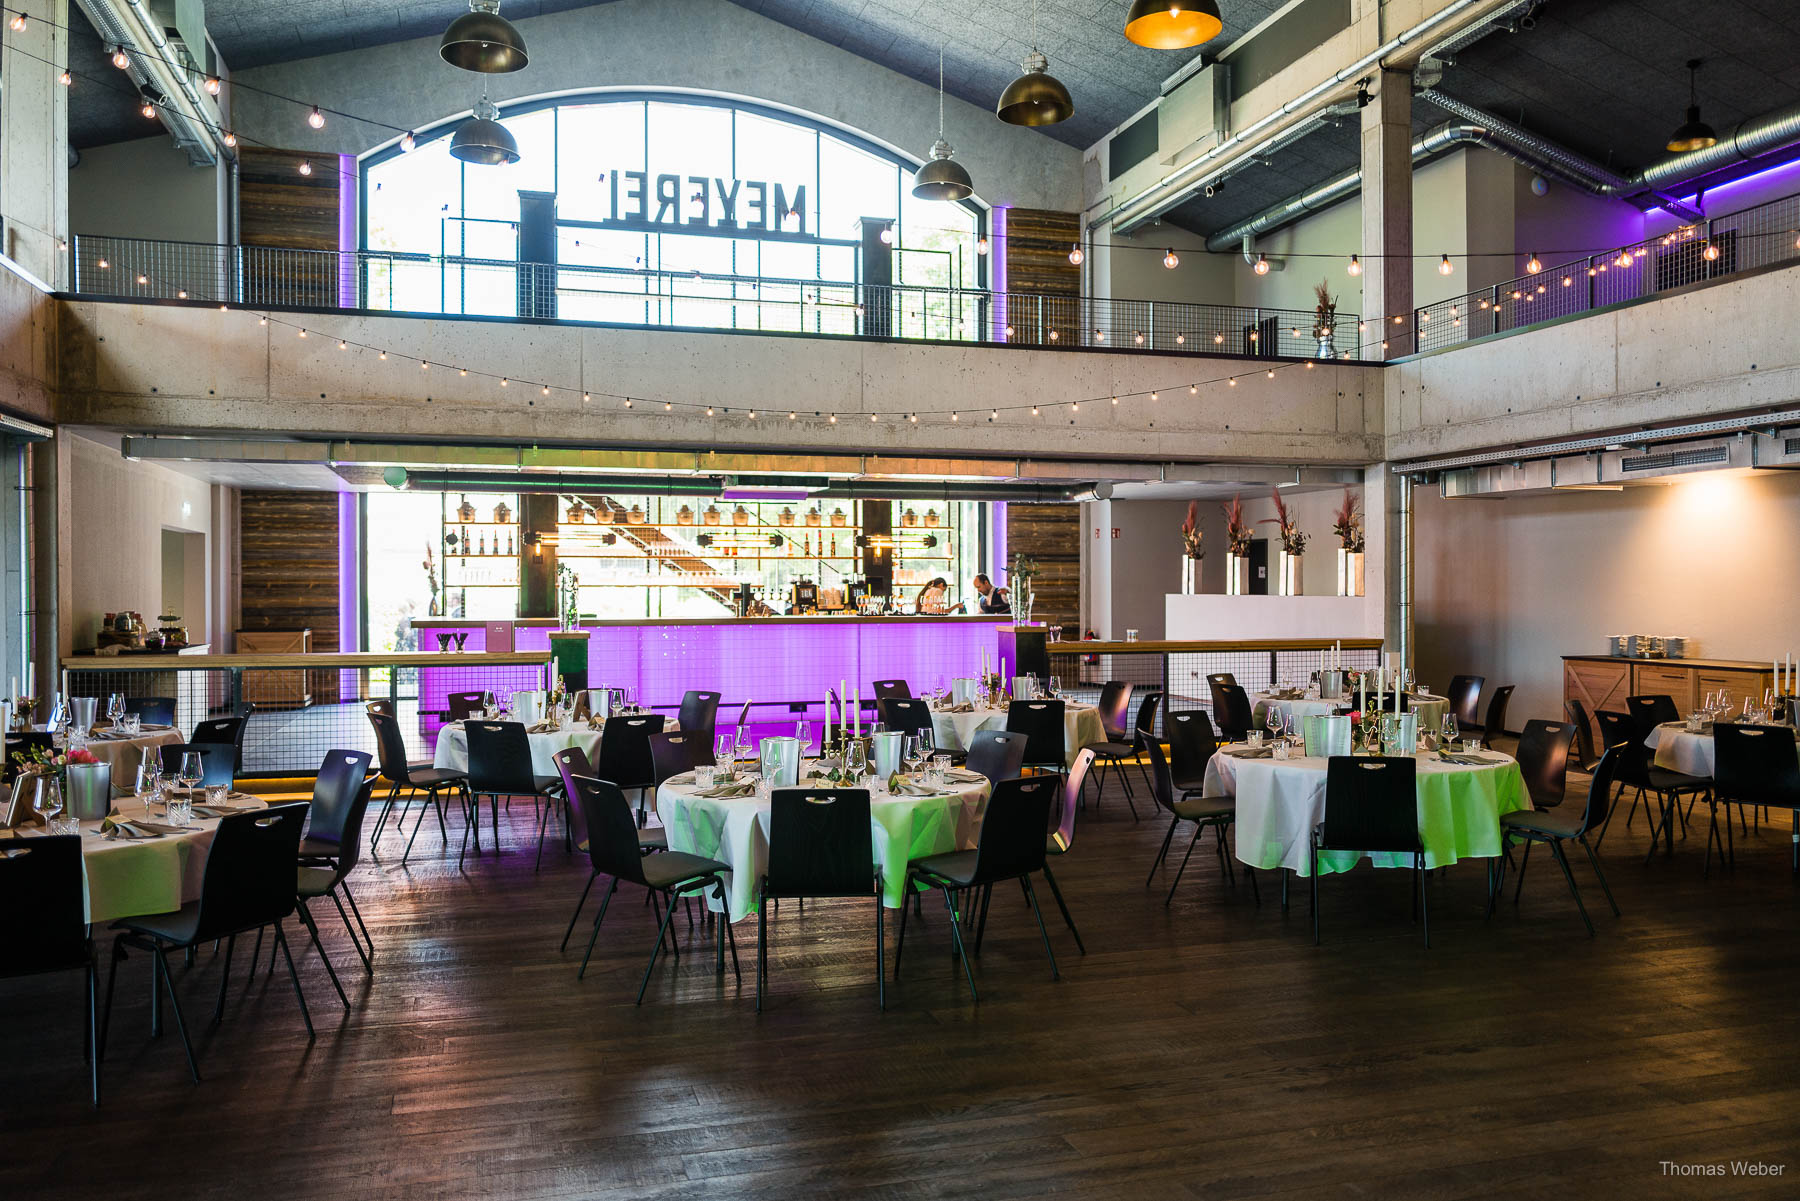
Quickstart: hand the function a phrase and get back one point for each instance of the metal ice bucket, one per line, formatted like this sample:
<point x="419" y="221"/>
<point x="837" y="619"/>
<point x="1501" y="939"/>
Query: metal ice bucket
<point x="1326" y="735"/>
<point x="1024" y="688"/>
<point x="885" y="748"/>
<point x="779" y="760"/>
<point x="83" y="708"/>
<point x="1399" y="734"/>
<point x="1331" y="685"/>
<point x="528" y="707"/>
<point x="962" y="690"/>
<point x="89" y="791"/>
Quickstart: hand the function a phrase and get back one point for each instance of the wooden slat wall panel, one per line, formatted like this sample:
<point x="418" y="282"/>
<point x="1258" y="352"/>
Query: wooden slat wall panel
<point x="279" y="207"/>
<point x="288" y="552"/>
<point x="1051" y="534"/>
<point x="1037" y="265"/>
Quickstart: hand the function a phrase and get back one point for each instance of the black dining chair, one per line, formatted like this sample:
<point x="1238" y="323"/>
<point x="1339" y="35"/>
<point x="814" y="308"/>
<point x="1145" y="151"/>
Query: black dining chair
<point x="500" y="766"/>
<point x="320" y="876"/>
<point x="1372" y="805"/>
<point x="412" y="778"/>
<point x="1754" y="767"/>
<point x="1206" y="812"/>
<point x="1232" y="713"/>
<point x="154" y="710"/>
<point x="905" y="715"/>
<point x="625" y="755"/>
<point x="1495" y="725"/>
<point x="1543" y="755"/>
<point x="224" y="729"/>
<point x="44" y="892"/>
<point x="1042" y="724"/>
<point x="1217" y="678"/>
<point x="462" y="705"/>
<point x="1192" y="744"/>
<point x="673" y="752"/>
<point x="1062" y="835"/>
<point x="699" y="715"/>
<point x="896" y="690"/>
<point x="1651" y="710"/>
<point x="612" y="847"/>
<point x="1464" y="701"/>
<point x="1009" y="847"/>
<point x="1585" y="755"/>
<point x="218" y="761"/>
<point x="997" y="754"/>
<point x="247" y="884"/>
<point x="1120" y="746"/>
<point x="572" y="762"/>
<point x="1556" y="827"/>
<point x="820" y="846"/>
<point x="1637" y="770"/>
<point x="333" y="840"/>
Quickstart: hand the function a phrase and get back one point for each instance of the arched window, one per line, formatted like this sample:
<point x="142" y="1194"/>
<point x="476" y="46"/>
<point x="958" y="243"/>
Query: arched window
<point x="669" y="209"/>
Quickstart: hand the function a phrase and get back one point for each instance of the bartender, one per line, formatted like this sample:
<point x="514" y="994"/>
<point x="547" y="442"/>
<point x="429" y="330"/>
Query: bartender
<point x="934" y="596"/>
<point x="992" y="599"/>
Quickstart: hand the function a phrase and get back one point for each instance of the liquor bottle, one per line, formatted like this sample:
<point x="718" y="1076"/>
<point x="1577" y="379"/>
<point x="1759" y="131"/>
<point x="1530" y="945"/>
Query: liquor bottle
<point x="481" y="544"/>
<point x="509" y="543"/>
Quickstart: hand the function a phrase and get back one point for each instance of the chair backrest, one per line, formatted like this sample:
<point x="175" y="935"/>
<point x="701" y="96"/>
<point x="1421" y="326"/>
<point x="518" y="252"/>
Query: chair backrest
<point x="997" y="754"/>
<point x="1114" y="705"/>
<point x="1012" y="828"/>
<point x="1062" y="837"/>
<point x="1543" y="756"/>
<point x="674" y="752"/>
<point x="1619" y="730"/>
<point x="1757" y="765"/>
<point x="340" y="780"/>
<point x="1162" y="784"/>
<point x="699" y="713"/>
<point x="1496" y="714"/>
<point x="500" y="758"/>
<point x="218" y="761"/>
<point x="1042" y="724"/>
<point x="382" y="706"/>
<point x="1584" y="731"/>
<point x="625" y="750"/>
<point x="1651" y="710"/>
<point x="1371" y="804"/>
<point x="1145" y="726"/>
<point x="155" y="710"/>
<point x="42" y="892"/>
<point x="1192" y="745"/>
<point x="892" y="690"/>
<point x="607" y="824"/>
<point x="1464" y="695"/>
<point x="820" y="844"/>
<point x="1220" y="677"/>
<point x="1600" y="789"/>
<point x="1231" y="710"/>
<point x="463" y="704"/>
<point x="390" y="747"/>
<point x="220" y="729"/>
<point x="905" y="714"/>
<point x="249" y="876"/>
<point x="572" y="761"/>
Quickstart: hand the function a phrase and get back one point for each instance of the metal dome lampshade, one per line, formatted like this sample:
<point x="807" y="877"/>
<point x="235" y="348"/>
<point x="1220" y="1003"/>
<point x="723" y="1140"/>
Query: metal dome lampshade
<point x="1035" y="97"/>
<point x="484" y="41"/>
<point x="484" y="140"/>
<point x="1173" y="24"/>
<point x="1692" y="134"/>
<point x="943" y="178"/>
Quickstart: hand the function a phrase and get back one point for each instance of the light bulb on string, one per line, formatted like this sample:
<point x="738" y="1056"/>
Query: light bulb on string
<point x="981" y="246"/>
<point x="1262" y="265"/>
<point x="1532" y="266"/>
<point x="67" y="78"/>
<point x="1170" y="259"/>
<point x="1355" y="267"/>
<point x="1180" y="339"/>
<point x="230" y="139"/>
<point x="213" y="84"/>
<point x="1218" y="339"/>
<point x="18" y="22"/>
<point x="1711" y="253"/>
<point x="887" y="235"/>
<point x="383" y="357"/>
<point x="316" y="119"/>
<point x="148" y="108"/>
<point x="306" y="166"/>
<point x="408" y="142"/>
<point x="1075" y="255"/>
<point x="120" y="59"/>
<point x="1445" y="267"/>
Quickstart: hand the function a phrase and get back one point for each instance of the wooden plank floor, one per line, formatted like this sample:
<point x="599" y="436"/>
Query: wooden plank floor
<point x="1207" y="1049"/>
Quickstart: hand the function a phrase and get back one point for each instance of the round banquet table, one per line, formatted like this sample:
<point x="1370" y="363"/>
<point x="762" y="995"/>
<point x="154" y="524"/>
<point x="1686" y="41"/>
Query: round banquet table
<point x="1279" y="804"/>
<point x="130" y="878"/>
<point x="952" y="731"/>
<point x="1680" y="749"/>
<point x="452" y="751"/>
<point x="735" y="831"/>
<point x="1429" y="708"/>
<point x="122" y="754"/>
<point x="1292" y="709"/>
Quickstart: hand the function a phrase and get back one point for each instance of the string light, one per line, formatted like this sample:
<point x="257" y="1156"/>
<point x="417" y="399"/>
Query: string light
<point x="1099" y="335"/>
<point x="1170" y="259"/>
<point x="181" y="295"/>
<point x="18" y="22"/>
<point x="955" y="416"/>
<point x="303" y="333"/>
<point x="981" y="245"/>
<point x="709" y="411"/>
<point x="1232" y="381"/>
<point x="213" y="84"/>
<point x="1355" y="267"/>
<point x="230" y="139"/>
<point x="1138" y="337"/>
<point x="1115" y="400"/>
<point x="408" y="143"/>
<point x="1262" y="264"/>
<point x="753" y="414"/>
<point x="791" y="414"/>
<point x="1053" y="335"/>
<point x="143" y="280"/>
<point x="1218" y="339"/>
<point x="316" y="119"/>
<point x="832" y="419"/>
<point x="119" y="58"/>
<point x="546" y="389"/>
<point x="306" y="166"/>
<point x="1009" y="331"/>
<point x="1075" y="255"/>
<point x="504" y="381"/>
<point x="383" y="356"/>
<point x="1532" y="266"/>
<point x="872" y="417"/>
<point x="887" y="235"/>
<point x="148" y="108"/>
<point x="67" y="78"/>
<point x="1154" y="396"/>
<point x="1271" y="373"/>
<point x="1444" y="266"/>
<point x="1034" y="410"/>
<point x="1711" y="253"/>
<point x="1193" y="389"/>
<point x="1180" y="339"/>
<point x="424" y="366"/>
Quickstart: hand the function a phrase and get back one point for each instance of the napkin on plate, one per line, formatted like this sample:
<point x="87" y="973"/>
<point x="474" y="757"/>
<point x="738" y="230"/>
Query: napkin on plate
<point x="220" y="810"/>
<point x="909" y="788"/>
<point x="963" y="775"/>
<point x="1249" y="752"/>
<point x="117" y="829"/>
<point x="725" y="792"/>
<point x="686" y="777"/>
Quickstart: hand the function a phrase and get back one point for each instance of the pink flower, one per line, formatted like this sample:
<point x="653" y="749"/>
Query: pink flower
<point x="82" y="756"/>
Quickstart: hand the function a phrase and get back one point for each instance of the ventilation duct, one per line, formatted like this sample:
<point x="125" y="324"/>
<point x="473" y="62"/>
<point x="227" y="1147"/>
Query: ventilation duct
<point x="1615" y="467"/>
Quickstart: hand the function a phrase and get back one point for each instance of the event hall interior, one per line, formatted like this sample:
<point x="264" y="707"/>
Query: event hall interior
<point x="547" y="542"/>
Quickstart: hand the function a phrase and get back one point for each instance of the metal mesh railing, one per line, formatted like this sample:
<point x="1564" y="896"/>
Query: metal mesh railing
<point x="376" y="281"/>
<point x="1761" y="236"/>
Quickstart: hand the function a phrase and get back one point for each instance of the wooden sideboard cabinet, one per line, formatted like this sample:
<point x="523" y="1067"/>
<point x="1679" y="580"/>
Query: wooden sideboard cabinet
<point x="1604" y="681"/>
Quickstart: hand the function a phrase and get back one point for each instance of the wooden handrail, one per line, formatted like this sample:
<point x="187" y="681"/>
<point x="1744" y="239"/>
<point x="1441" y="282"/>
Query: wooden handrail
<point x="1160" y="647"/>
<point x="315" y="662"/>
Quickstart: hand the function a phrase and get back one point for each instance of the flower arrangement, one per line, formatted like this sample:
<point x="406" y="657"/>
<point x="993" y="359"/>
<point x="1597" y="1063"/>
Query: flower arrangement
<point x="1293" y="542"/>
<point x="1237" y="534"/>
<point x="431" y="582"/>
<point x="1324" y="312"/>
<point x="1191" y="533"/>
<point x="1347" y="523"/>
<point x="568" y="588"/>
<point x="1024" y="567"/>
<point x="38" y="761"/>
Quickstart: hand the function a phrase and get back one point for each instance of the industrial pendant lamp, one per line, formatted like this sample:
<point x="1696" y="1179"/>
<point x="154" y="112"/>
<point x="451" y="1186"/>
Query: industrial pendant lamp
<point x="1036" y="97"/>
<point x="1173" y="24"/>
<point x="943" y="178"/>
<point x="1694" y="134"/>
<point x="484" y="140"/>
<point x="482" y="40"/>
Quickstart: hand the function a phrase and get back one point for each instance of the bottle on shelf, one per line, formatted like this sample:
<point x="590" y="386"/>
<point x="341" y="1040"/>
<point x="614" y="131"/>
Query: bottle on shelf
<point x="509" y="543"/>
<point x="481" y="543"/>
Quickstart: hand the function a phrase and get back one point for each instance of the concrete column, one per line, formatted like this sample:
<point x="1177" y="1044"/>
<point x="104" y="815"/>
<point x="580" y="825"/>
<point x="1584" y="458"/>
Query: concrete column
<point x="34" y="138"/>
<point x="1387" y="214"/>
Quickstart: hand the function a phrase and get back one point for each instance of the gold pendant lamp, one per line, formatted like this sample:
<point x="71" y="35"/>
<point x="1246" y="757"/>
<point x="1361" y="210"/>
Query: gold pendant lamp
<point x="1173" y="24"/>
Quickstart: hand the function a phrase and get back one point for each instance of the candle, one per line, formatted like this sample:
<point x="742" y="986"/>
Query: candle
<point x="825" y="735"/>
<point x="1337" y="654"/>
<point x="30" y="679"/>
<point x="1362" y="693"/>
<point x="856" y="708"/>
<point x="1322" y="661"/>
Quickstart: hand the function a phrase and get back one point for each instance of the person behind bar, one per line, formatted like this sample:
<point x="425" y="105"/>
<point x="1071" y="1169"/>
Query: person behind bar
<point x="934" y="597"/>
<point x="993" y="600"/>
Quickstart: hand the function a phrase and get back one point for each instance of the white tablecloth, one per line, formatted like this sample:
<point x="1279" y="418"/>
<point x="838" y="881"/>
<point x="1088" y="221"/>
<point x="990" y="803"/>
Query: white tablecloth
<point x="1280" y="803"/>
<point x="1292" y="711"/>
<point x="143" y="876"/>
<point x="123" y="754"/>
<point x="452" y="752"/>
<point x="1679" y="749"/>
<point x="953" y="731"/>
<point x="736" y="832"/>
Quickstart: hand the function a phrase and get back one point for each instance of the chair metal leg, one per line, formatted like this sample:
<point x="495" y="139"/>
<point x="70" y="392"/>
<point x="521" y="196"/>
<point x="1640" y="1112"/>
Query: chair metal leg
<point x="762" y="949"/>
<point x="368" y="968"/>
<point x="1199" y="827"/>
<point x="1424" y="899"/>
<point x="1562" y="861"/>
<point x="1594" y="862"/>
<point x="585" y="889"/>
<point x="224" y="980"/>
<point x="1050" y="879"/>
<point x="900" y="946"/>
<point x="282" y="942"/>
<point x="598" y="918"/>
<point x="651" y="966"/>
<point x="1524" y="862"/>
<point x="1031" y="897"/>
<point x="956" y="939"/>
<point x="93" y="1027"/>
<point x="312" y="928"/>
<point x="986" y="896"/>
<point x="161" y="957"/>
<point x="880" y="946"/>
<point x="1164" y="853"/>
<point x="1315" y="894"/>
<point x="1713" y="836"/>
<point x="730" y="932"/>
<point x="1224" y="853"/>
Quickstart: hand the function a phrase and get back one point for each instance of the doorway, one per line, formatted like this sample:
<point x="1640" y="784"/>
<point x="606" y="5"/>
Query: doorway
<point x="184" y="581"/>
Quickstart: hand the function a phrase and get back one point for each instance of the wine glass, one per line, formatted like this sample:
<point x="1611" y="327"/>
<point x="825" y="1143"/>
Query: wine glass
<point x="803" y="735"/>
<point x="49" y="801"/>
<point x="725" y="749"/>
<point x="1272" y="719"/>
<point x="940" y="688"/>
<point x="1449" y="728"/>
<point x="856" y="760"/>
<point x="115" y="708"/>
<point x="147" y="783"/>
<point x="1055" y="685"/>
<point x="189" y="774"/>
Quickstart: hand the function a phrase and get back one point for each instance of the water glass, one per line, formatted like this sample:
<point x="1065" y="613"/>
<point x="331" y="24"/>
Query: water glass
<point x="705" y="776"/>
<point x="132" y="724"/>
<point x="940" y="769"/>
<point x="181" y="809"/>
<point x="146" y="784"/>
<point x="1471" y="745"/>
<point x="1279" y="750"/>
<point x="217" y="794"/>
<point x="1694" y="721"/>
<point x="1253" y="738"/>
